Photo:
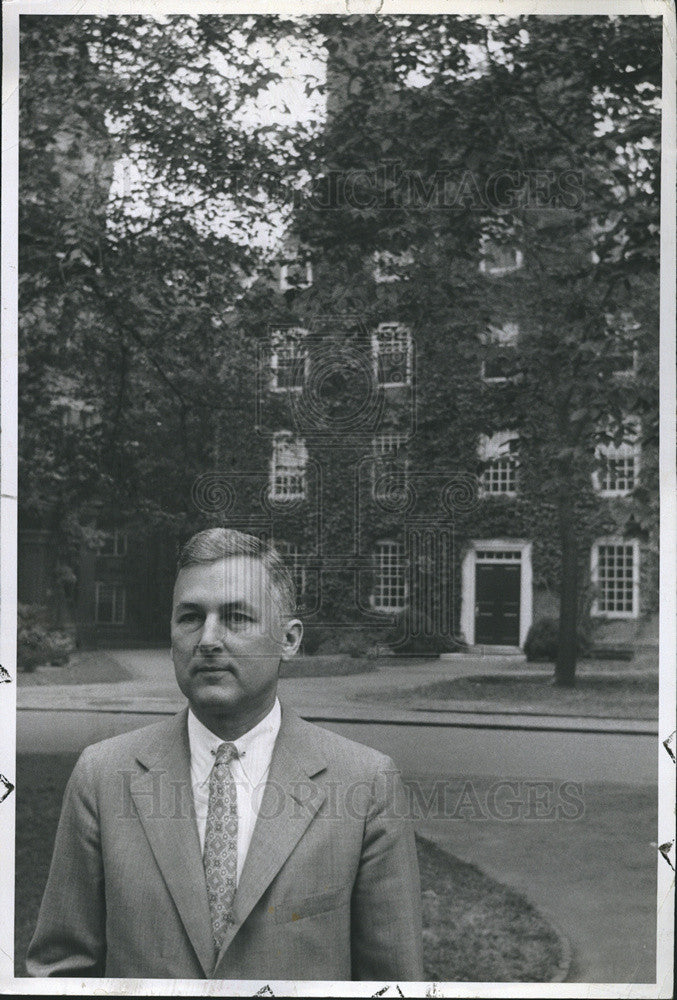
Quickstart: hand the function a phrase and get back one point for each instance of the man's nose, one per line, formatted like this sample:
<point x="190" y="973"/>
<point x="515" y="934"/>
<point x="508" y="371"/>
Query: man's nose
<point x="212" y="636"/>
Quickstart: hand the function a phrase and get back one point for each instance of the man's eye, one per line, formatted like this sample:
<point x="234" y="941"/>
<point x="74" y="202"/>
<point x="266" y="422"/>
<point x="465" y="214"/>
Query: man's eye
<point x="189" y="618"/>
<point x="238" y="619"/>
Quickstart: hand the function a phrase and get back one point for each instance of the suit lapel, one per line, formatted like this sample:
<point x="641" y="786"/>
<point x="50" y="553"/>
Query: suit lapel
<point x="163" y="796"/>
<point x="289" y="803"/>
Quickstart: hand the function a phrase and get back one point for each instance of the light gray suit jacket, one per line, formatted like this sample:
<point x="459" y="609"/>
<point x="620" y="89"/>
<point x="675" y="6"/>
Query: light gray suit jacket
<point x="329" y="888"/>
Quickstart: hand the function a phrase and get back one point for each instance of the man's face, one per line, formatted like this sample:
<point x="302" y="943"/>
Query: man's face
<point x="228" y="638"/>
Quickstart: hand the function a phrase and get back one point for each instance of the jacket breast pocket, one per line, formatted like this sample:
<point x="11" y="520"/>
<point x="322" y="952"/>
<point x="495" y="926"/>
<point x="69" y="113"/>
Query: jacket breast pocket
<point x="312" y="905"/>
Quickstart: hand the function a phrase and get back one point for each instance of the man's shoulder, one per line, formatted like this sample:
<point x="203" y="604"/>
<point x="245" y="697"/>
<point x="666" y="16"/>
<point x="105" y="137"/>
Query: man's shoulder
<point x="341" y="753"/>
<point x="115" y="750"/>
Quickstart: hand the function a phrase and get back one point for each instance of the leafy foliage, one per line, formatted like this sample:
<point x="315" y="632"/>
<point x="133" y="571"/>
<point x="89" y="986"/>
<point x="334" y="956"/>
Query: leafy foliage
<point x="542" y="642"/>
<point x="37" y="642"/>
<point x="128" y="353"/>
<point x="543" y="149"/>
<point x="149" y="169"/>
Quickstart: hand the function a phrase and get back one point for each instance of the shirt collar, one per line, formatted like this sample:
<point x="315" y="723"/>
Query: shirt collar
<point x="204" y="743"/>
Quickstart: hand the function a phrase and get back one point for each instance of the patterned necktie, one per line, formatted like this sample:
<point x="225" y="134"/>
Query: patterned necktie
<point x="220" y="850"/>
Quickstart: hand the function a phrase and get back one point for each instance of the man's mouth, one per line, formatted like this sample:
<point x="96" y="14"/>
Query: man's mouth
<point x="213" y="667"/>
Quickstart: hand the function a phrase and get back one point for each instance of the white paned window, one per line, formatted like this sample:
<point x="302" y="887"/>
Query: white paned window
<point x="622" y="357"/>
<point x="110" y="602"/>
<point x="614" y="567"/>
<point x="620" y="471"/>
<point x="292" y="560"/>
<point x="114" y="544"/>
<point x="500" y="346"/>
<point x="499" y="555"/>
<point x="76" y="414"/>
<point x="498" y="455"/>
<point x="288" y="467"/>
<point x="296" y="274"/>
<point x="620" y="464"/>
<point x="624" y="362"/>
<point x="392" y="352"/>
<point x="390" y="590"/>
<point x="390" y="468"/>
<point x="498" y="259"/>
<point x="288" y="361"/>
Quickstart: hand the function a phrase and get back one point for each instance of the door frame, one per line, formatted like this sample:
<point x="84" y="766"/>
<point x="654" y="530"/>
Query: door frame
<point x="468" y="583"/>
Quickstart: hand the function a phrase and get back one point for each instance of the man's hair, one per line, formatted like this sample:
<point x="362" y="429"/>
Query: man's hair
<point x="220" y="543"/>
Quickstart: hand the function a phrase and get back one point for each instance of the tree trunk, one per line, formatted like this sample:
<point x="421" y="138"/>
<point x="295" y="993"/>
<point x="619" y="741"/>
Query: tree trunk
<point x="565" y="667"/>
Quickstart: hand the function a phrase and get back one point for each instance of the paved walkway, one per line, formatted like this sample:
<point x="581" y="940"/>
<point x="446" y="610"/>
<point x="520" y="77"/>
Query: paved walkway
<point x="153" y="682"/>
<point x="152" y="687"/>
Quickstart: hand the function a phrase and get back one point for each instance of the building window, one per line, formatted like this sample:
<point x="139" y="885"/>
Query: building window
<point x="75" y="414"/>
<point x="499" y="463"/>
<point x="390" y="467"/>
<point x="614" y="568"/>
<point x="497" y="259"/>
<point x="623" y="361"/>
<point x="296" y="274"/>
<point x="288" y="467"/>
<point x="498" y="555"/>
<point x="392" y="352"/>
<point x="390" y="589"/>
<point x="500" y="349"/>
<point x="619" y="464"/>
<point x="622" y="356"/>
<point x="390" y="267"/>
<point x="620" y="469"/>
<point x="114" y="544"/>
<point x="292" y="560"/>
<point x="289" y="361"/>
<point x="110" y="602"/>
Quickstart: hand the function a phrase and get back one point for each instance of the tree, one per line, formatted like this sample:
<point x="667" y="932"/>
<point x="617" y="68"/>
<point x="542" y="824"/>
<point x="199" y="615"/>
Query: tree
<point x="444" y="137"/>
<point x="536" y="145"/>
<point x="585" y="267"/>
<point x="126" y="289"/>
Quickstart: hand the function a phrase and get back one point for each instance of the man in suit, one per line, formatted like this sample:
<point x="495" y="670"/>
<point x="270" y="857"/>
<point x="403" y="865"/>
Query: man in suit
<point x="235" y="840"/>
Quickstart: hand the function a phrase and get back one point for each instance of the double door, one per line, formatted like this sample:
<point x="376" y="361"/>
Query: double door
<point x="497" y="603"/>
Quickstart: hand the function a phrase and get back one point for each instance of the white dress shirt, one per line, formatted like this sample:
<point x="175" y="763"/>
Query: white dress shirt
<point x="250" y="772"/>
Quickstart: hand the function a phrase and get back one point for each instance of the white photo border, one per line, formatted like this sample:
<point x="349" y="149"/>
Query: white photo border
<point x="12" y="9"/>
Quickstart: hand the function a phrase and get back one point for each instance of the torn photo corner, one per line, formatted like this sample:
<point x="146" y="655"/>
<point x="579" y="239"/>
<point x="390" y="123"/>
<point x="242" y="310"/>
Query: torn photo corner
<point x="338" y="395"/>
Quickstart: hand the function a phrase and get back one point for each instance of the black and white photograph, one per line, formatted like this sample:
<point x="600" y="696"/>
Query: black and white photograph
<point x="338" y="579"/>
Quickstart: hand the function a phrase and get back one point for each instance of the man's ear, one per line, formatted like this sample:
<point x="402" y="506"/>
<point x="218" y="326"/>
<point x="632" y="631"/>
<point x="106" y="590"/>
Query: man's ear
<point x="293" y="633"/>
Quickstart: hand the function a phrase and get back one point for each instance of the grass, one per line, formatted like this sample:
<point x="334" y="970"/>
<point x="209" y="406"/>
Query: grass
<point x="477" y="930"/>
<point x="474" y="928"/>
<point x="604" y="689"/>
<point x="40" y="783"/>
<point x="90" y="667"/>
<point x="336" y="665"/>
<point x="632" y="696"/>
<point x="99" y="667"/>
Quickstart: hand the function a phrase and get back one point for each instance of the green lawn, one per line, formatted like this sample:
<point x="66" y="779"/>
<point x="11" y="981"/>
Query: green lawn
<point x="604" y="689"/>
<point x="605" y="696"/>
<point x="100" y="667"/>
<point x="474" y="928"/>
<point x="337" y="665"/>
<point x="90" y="667"/>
